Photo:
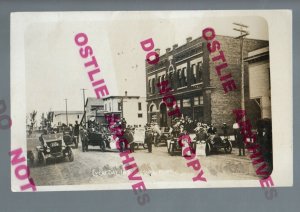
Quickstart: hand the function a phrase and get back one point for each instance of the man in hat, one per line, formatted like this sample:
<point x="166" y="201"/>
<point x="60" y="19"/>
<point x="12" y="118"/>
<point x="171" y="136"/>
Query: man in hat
<point x="225" y="128"/>
<point x="84" y="139"/>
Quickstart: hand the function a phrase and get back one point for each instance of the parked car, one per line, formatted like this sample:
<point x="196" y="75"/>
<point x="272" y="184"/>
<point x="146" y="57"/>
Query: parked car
<point x="214" y="143"/>
<point x="175" y="145"/>
<point x="53" y="146"/>
<point x="98" y="139"/>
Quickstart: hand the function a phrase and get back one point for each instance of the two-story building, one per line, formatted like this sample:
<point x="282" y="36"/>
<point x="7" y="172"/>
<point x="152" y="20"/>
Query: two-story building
<point x="132" y="108"/>
<point x="94" y="110"/>
<point x="195" y="84"/>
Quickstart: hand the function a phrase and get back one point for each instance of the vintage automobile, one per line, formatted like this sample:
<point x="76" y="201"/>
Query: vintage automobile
<point x="139" y="137"/>
<point x="165" y="135"/>
<point x="96" y="138"/>
<point x="53" y="146"/>
<point x="214" y="143"/>
<point x="175" y="144"/>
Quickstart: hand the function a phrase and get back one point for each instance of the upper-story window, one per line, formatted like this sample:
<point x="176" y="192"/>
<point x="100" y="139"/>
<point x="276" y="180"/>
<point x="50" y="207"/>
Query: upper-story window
<point x="170" y="77"/>
<point x="158" y="79"/>
<point x="184" y="77"/>
<point x="149" y="86"/>
<point x="179" y="78"/>
<point x="194" y="74"/>
<point x="153" y="86"/>
<point x="140" y="106"/>
<point x="200" y="72"/>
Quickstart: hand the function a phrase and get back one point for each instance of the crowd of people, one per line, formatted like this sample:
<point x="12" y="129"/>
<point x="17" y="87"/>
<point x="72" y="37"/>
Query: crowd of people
<point x="178" y="126"/>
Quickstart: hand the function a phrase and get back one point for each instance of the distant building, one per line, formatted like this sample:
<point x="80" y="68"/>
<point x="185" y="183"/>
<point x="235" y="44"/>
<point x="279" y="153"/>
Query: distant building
<point x="259" y="80"/>
<point x="196" y="86"/>
<point x="94" y="109"/>
<point x="59" y="117"/>
<point x="132" y="108"/>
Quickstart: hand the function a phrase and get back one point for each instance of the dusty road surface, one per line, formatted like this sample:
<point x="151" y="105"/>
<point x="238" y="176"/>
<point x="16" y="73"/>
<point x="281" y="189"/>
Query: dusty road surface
<point x="96" y="167"/>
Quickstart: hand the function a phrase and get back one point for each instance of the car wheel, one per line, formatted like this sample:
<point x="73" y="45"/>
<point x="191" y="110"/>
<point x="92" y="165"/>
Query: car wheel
<point x="228" y="148"/>
<point x="207" y="149"/>
<point x="145" y="145"/>
<point x="76" y="143"/>
<point x="30" y="158"/>
<point x="41" y="158"/>
<point x="172" y="150"/>
<point x="102" y="146"/>
<point x="70" y="155"/>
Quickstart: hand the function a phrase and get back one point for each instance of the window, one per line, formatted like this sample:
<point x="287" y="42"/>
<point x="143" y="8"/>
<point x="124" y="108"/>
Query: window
<point x="140" y="115"/>
<point x="105" y="106"/>
<point x="186" y="103"/>
<point x="201" y="100"/>
<point x="178" y="103"/>
<point x="119" y="106"/>
<point x="149" y="88"/>
<point x="159" y="79"/>
<point x="140" y="105"/>
<point x="200" y="71"/>
<point x="184" y="77"/>
<point x="153" y="86"/>
<point x="163" y="78"/>
<point x="171" y="81"/>
<point x="198" y="100"/>
<point x="194" y="74"/>
<point x="179" y="78"/>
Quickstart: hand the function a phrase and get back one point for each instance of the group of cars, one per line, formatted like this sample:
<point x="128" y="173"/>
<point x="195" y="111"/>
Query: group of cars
<point x="59" y="143"/>
<point x="54" y="143"/>
<point x="212" y="142"/>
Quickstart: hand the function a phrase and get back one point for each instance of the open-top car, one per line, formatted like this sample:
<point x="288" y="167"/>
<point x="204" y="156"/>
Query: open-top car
<point x="175" y="144"/>
<point x="53" y="146"/>
<point x="163" y="138"/>
<point x="98" y="139"/>
<point x="214" y="143"/>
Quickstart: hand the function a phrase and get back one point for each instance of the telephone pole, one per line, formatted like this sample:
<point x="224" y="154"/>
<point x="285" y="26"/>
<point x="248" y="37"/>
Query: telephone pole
<point x="66" y="100"/>
<point x="83" y="94"/>
<point x="243" y="34"/>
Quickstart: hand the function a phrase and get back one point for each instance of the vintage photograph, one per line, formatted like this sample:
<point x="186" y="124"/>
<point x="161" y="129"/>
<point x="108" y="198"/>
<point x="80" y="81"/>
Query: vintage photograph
<point x="164" y="98"/>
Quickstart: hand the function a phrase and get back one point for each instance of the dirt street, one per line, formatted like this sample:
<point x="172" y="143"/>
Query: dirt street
<point x="96" y="167"/>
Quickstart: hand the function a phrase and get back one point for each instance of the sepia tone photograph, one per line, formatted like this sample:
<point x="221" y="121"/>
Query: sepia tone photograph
<point x="171" y="99"/>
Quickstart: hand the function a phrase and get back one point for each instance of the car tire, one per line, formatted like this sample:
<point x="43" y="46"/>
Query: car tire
<point x="228" y="149"/>
<point x="102" y="146"/>
<point x="207" y="149"/>
<point x="71" y="155"/>
<point x="172" y="150"/>
<point x="42" y="159"/>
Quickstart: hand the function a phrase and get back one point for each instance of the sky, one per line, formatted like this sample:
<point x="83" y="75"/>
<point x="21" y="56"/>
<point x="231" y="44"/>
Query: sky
<point x="55" y="71"/>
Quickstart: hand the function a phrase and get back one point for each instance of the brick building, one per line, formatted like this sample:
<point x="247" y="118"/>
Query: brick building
<point x="196" y="86"/>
